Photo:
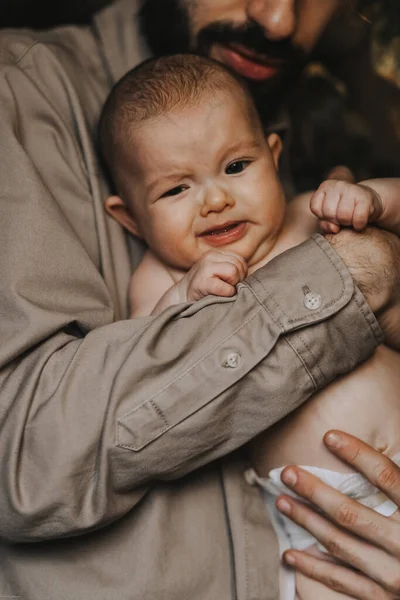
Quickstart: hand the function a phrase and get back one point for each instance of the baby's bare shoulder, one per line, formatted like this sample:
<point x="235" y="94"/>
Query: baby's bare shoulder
<point x="148" y="283"/>
<point x="300" y="221"/>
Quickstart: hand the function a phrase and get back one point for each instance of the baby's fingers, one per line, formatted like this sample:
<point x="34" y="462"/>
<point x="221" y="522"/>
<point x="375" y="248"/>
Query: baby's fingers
<point x="316" y="202"/>
<point x="228" y="272"/>
<point x="324" y="203"/>
<point x="215" y="258"/>
<point x="328" y="227"/>
<point x="361" y="215"/>
<point x="219" y="287"/>
<point x="221" y="280"/>
<point x="239" y="263"/>
<point x="345" y="210"/>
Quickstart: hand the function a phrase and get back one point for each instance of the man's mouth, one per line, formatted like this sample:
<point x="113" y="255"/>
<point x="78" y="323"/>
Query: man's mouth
<point x="227" y="233"/>
<point x="246" y="62"/>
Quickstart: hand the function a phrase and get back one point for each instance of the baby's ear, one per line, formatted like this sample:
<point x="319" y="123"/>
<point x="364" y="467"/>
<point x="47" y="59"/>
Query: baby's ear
<point x="117" y="208"/>
<point x="275" y="145"/>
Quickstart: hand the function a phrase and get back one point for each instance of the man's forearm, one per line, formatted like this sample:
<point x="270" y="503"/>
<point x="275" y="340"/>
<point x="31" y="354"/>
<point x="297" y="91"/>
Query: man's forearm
<point x="135" y="402"/>
<point x="373" y="259"/>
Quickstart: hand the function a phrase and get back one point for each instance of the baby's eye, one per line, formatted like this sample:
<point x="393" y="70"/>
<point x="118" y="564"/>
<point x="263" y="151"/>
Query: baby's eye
<point x="174" y="191"/>
<point x="237" y="166"/>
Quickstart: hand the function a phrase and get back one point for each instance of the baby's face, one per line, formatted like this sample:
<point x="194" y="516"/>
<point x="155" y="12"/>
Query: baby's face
<point x="203" y="178"/>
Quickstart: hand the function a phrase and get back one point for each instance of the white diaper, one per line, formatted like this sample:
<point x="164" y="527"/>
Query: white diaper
<point x="291" y="535"/>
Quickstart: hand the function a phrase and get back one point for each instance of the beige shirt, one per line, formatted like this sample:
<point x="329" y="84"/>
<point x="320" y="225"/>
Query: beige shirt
<point x="121" y="472"/>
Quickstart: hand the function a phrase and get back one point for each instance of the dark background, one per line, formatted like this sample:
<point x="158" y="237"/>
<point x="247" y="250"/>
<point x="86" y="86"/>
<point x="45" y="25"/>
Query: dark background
<point x="46" y="13"/>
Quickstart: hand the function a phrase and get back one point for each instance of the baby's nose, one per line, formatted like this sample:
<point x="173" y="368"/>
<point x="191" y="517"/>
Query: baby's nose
<point x="216" y="200"/>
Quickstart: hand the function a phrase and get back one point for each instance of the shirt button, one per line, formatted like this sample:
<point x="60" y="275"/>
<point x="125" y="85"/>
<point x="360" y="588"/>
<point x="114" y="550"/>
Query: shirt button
<point x="250" y="477"/>
<point x="233" y="360"/>
<point x="312" y="301"/>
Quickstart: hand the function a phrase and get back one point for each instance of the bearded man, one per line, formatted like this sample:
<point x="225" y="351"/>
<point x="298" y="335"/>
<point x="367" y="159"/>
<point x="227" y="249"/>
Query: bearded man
<point x="269" y="44"/>
<point x="122" y="469"/>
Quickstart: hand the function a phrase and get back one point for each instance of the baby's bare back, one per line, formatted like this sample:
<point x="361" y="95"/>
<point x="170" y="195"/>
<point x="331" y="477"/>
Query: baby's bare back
<point x="365" y="403"/>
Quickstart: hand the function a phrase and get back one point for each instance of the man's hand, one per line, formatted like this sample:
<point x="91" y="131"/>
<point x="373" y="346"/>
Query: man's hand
<point x="373" y="259"/>
<point x="338" y="203"/>
<point x="216" y="273"/>
<point x="354" y="534"/>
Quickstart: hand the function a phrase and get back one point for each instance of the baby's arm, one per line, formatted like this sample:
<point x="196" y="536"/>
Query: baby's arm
<point x="375" y="201"/>
<point x="389" y="193"/>
<point x="153" y="288"/>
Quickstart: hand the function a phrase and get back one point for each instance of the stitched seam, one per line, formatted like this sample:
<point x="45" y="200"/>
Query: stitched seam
<point x="182" y="375"/>
<point x="261" y="302"/>
<point x="314" y="357"/>
<point x="159" y="412"/>
<point x="302" y="361"/>
<point x="372" y="329"/>
<point x="143" y="444"/>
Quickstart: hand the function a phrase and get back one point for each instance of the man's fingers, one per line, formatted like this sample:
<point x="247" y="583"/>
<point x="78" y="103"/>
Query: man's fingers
<point x="344" y="511"/>
<point x="377" y="468"/>
<point x="370" y="560"/>
<point x="336" y="577"/>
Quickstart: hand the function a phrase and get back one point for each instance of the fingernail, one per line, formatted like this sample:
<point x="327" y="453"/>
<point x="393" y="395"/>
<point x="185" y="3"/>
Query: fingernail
<point x="289" y="477"/>
<point x="289" y="559"/>
<point x="284" y="506"/>
<point x="334" y="440"/>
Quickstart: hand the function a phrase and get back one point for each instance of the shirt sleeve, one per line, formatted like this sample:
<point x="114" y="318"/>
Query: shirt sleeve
<point x="94" y="412"/>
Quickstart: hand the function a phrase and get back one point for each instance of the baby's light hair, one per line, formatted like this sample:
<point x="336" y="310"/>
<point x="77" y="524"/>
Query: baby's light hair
<point x="156" y="87"/>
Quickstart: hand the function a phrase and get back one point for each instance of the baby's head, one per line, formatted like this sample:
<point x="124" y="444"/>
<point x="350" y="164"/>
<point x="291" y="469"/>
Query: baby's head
<point x="193" y="171"/>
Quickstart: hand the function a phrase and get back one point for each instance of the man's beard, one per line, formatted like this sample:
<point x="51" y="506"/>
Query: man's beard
<point x="165" y="25"/>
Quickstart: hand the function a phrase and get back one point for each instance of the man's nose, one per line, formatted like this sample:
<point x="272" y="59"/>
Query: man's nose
<point x="215" y="199"/>
<point x="276" y="17"/>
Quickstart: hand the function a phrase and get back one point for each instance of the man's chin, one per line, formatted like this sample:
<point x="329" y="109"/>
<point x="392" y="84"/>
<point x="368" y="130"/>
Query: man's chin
<point x="269" y="82"/>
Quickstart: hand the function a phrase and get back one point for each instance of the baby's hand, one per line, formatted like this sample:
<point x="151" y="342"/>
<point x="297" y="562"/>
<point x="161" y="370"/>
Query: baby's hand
<point x="338" y="203"/>
<point x="216" y="273"/>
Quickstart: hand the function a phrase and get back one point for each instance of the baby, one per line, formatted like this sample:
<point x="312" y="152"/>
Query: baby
<point x="198" y="182"/>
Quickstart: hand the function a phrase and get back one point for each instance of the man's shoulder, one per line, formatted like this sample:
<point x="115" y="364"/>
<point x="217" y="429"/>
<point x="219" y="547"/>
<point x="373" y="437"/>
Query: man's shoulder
<point x="14" y="44"/>
<point x="61" y="69"/>
<point x="23" y="47"/>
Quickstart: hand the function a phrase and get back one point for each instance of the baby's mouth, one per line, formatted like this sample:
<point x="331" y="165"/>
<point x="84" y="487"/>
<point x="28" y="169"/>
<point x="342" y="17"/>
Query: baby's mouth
<point x="226" y="233"/>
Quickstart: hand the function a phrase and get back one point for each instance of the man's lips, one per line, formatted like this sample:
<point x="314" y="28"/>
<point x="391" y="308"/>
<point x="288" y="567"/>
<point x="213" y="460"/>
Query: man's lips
<point x="227" y="233"/>
<point x="247" y="63"/>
